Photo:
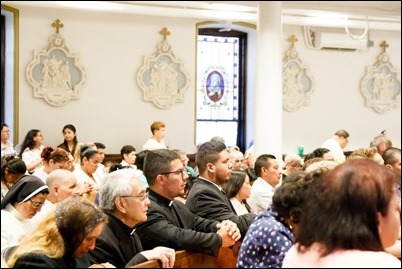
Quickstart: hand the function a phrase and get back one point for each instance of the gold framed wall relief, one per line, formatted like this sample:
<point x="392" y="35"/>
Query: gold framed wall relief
<point x="162" y="77"/>
<point x="298" y="83"/>
<point x="55" y="74"/>
<point x="380" y="85"/>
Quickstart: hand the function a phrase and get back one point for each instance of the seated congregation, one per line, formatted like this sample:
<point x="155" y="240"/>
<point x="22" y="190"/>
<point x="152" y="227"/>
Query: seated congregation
<point x="229" y="214"/>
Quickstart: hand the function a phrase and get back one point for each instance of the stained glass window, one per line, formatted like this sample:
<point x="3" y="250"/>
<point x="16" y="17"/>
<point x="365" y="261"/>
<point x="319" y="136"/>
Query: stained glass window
<point x="217" y="88"/>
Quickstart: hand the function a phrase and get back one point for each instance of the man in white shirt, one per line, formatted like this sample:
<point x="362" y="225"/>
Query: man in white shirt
<point x="336" y="144"/>
<point x="269" y="173"/>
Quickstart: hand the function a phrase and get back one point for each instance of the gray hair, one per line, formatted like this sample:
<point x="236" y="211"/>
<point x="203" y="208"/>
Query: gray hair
<point x="115" y="184"/>
<point x="293" y="157"/>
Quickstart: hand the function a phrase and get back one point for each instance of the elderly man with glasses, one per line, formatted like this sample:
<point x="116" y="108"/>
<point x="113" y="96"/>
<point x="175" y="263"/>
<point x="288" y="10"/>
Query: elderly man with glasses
<point x="125" y="200"/>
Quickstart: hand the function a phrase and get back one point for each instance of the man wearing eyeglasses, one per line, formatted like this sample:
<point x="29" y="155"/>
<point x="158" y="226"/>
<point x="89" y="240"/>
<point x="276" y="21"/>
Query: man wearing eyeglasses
<point x="206" y="197"/>
<point x="170" y="223"/>
<point x="125" y="200"/>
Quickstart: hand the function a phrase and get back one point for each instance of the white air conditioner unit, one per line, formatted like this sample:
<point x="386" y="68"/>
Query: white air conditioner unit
<point x="338" y="41"/>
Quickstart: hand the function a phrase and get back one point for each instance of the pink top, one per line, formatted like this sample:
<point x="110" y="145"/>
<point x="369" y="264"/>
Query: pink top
<point x="340" y="259"/>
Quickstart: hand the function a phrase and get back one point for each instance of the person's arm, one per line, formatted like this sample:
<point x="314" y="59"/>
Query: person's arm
<point x="159" y="230"/>
<point x="209" y="205"/>
<point x="166" y="255"/>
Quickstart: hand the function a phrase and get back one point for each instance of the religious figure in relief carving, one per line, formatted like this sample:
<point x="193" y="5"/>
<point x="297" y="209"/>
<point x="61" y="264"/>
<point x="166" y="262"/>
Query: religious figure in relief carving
<point x="383" y="86"/>
<point x="56" y="75"/>
<point x="163" y="78"/>
<point x="293" y="86"/>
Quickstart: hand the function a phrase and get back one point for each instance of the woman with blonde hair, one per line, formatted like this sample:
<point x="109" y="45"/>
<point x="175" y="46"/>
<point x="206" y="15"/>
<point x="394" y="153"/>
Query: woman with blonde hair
<point x="63" y="236"/>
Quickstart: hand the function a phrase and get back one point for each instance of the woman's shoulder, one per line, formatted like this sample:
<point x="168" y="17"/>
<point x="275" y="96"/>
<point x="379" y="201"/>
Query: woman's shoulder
<point x="38" y="260"/>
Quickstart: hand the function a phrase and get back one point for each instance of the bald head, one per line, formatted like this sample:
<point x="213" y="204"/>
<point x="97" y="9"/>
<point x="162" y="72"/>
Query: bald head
<point x="62" y="184"/>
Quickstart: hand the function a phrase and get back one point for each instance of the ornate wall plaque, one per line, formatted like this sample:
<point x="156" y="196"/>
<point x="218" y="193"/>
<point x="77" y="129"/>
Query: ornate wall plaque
<point x="298" y="84"/>
<point x="55" y="74"/>
<point x="162" y="77"/>
<point x="380" y="86"/>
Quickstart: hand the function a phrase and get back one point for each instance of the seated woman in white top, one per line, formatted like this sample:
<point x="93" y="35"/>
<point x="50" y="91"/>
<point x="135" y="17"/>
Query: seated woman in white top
<point x="52" y="159"/>
<point x="20" y="204"/>
<point x="31" y="149"/>
<point x="238" y="189"/>
<point x="85" y="173"/>
<point x="7" y="148"/>
<point x="158" y="134"/>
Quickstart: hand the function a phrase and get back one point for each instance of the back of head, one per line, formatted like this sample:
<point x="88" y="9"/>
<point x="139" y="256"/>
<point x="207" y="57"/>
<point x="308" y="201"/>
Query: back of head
<point x="56" y="177"/>
<point x="14" y="165"/>
<point x="381" y="139"/>
<point x="293" y="157"/>
<point x="318" y="152"/>
<point x="218" y="139"/>
<point x="158" y="161"/>
<point x="391" y="155"/>
<point x="290" y="196"/>
<point x="321" y="164"/>
<point x="347" y="198"/>
<point x="139" y="161"/>
<point x="76" y="217"/>
<point x="208" y="152"/>
<point x="342" y="133"/>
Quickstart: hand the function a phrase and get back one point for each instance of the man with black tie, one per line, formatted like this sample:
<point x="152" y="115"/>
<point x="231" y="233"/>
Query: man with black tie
<point x="205" y="197"/>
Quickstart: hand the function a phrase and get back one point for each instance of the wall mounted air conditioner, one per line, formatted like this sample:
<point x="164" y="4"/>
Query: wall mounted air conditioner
<point x="338" y="41"/>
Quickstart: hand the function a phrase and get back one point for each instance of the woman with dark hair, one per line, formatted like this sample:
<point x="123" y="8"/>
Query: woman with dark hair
<point x="238" y="189"/>
<point x="52" y="159"/>
<point x="271" y="234"/>
<point x="31" y="148"/>
<point x="62" y="237"/>
<point x="12" y="169"/>
<point x="7" y="148"/>
<point x="352" y="213"/>
<point x="70" y="139"/>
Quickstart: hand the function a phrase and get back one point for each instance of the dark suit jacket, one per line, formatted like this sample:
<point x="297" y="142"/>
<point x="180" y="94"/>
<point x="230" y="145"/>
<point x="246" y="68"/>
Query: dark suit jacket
<point x="207" y="201"/>
<point x="36" y="260"/>
<point x="172" y="224"/>
<point x="117" y="246"/>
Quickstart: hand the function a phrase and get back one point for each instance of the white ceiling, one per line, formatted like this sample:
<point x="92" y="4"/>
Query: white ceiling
<point x="385" y="15"/>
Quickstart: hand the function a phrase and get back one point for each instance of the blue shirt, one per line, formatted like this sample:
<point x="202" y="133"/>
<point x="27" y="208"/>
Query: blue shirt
<point x="266" y="242"/>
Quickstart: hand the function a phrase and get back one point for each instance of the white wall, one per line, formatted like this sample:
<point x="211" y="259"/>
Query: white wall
<point x="337" y="102"/>
<point x="111" y="49"/>
<point x="111" y="109"/>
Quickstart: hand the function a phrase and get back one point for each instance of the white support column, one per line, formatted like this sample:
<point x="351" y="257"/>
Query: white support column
<point x="268" y="99"/>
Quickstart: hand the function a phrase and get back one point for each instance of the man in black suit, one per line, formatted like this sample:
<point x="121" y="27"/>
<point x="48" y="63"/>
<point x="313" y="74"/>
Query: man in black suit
<point x="170" y="223"/>
<point x="206" y="197"/>
<point x="125" y="200"/>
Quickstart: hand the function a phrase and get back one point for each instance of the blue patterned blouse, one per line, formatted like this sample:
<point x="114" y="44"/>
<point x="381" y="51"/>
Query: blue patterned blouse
<point x="266" y="242"/>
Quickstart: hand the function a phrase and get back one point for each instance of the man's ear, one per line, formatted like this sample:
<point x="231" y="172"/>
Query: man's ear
<point x="211" y="168"/>
<point x="160" y="179"/>
<point x="388" y="166"/>
<point x="119" y="203"/>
